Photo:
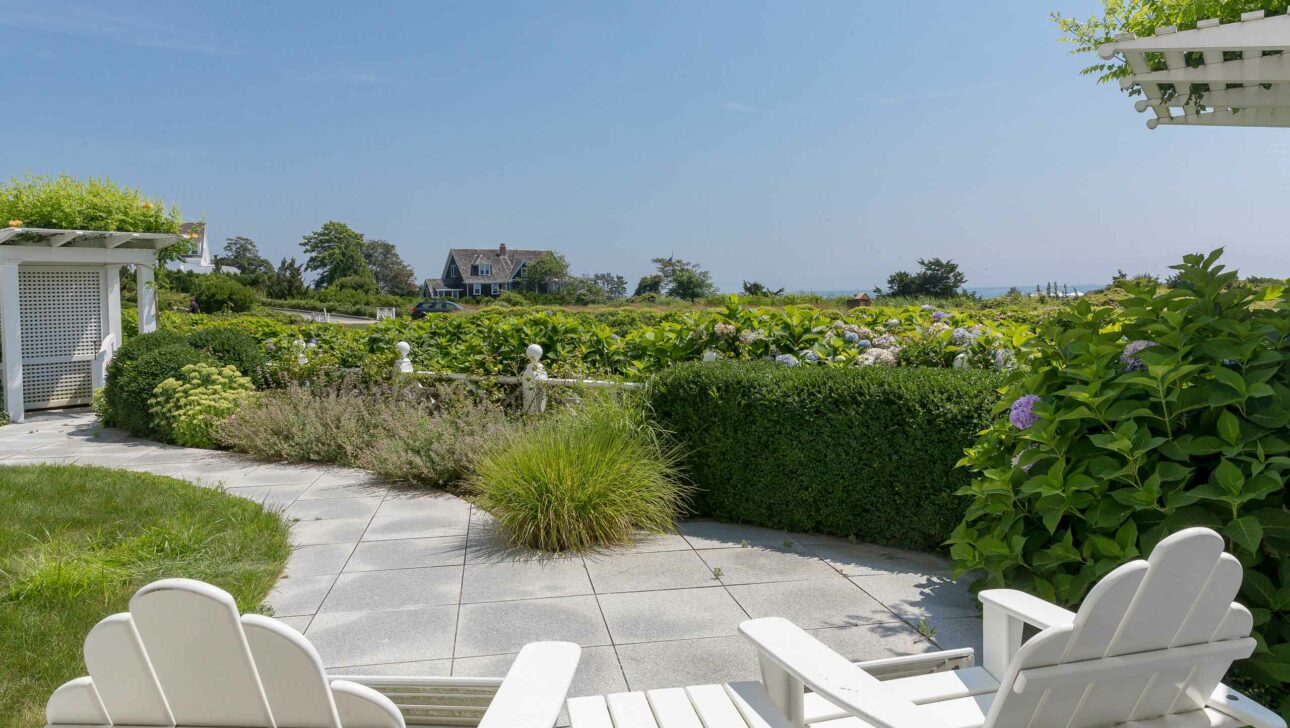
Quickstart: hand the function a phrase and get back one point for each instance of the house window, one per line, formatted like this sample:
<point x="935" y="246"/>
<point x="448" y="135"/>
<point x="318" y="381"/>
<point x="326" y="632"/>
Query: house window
<point x="493" y="286"/>
<point x="485" y="269"/>
<point x="452" y="271"/>
<point x="474" y="289"/>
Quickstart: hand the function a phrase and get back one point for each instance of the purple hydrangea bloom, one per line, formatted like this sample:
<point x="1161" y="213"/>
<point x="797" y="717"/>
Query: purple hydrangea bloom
<point x="940" y="316"/>
<point x="787" y="360"/>
<point x="1129" y="357"/>
<point x="1022" y="415"/>
<point x="927" y="307"/>
<point x="864" y="343"/>
<point x="960" y="336"/>
<point x="851" y="337"/>
<point x="810" y="357"/>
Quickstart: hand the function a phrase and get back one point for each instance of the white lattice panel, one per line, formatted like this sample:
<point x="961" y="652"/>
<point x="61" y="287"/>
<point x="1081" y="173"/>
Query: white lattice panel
<point x="61" y="313"/>
<point x="57" y="384"/>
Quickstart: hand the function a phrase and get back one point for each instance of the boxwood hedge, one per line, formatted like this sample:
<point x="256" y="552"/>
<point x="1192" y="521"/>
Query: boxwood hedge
<point x="867" y="452"/>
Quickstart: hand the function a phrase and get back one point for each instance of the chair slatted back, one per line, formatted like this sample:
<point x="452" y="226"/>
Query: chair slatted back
<point x="183" y="656"/>
<point x="1153" y="638"/>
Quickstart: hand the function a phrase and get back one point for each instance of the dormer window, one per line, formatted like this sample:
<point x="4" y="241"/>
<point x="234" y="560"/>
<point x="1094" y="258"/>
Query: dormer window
<point x="483" y="269"/>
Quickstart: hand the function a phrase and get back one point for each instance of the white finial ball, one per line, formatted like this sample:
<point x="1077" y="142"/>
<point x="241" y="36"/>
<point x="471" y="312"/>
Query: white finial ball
<point x="298" y="343"/>
<point x="533" y="352"/>
<point x="403" y="348"/>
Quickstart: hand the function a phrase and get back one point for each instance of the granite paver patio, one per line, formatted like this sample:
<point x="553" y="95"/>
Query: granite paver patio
<point x="389" y="579"/>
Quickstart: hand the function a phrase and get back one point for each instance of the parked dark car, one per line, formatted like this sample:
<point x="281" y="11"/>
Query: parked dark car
<point x="428" y="307"/>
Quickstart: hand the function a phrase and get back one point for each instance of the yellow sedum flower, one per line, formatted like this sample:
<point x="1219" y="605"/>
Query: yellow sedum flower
<point x="190" y="409"/>
<point x="15" y="223"/>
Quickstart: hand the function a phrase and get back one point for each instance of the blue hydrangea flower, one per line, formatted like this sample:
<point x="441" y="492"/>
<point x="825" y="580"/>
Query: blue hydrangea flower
<point x="787" y="360"/>
<point x="960" y="336"/>
<point x="940" y="316"/>
<point x="1129" y="357"/>
<point x="810" y="357"/>
<point x="864" y="343"/>
<point x="893" y="322"/>
<point x="927" y="307"/>
<point x="1022" y="415"/>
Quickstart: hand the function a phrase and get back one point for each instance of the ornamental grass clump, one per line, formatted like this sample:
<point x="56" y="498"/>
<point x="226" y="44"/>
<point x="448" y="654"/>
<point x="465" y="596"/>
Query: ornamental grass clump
<point x="1129" y="425"/>
<point x="592" y="476"/>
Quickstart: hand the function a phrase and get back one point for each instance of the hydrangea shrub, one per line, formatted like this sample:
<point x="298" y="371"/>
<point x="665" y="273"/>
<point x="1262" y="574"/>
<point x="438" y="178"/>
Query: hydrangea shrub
<point x="188" y="409"/>
<point x="1129" y="425"/>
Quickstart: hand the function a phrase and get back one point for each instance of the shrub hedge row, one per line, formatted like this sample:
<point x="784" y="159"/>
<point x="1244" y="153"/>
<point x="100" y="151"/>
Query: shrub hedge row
<point x="868" y="452"/>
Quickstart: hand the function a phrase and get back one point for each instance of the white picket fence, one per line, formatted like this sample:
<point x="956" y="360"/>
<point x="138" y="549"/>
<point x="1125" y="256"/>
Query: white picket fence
<point x="383" y="313"/>
<point x="533" y="381"/>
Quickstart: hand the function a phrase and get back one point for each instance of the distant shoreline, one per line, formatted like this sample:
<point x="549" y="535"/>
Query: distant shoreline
<point x="982" y="291"/>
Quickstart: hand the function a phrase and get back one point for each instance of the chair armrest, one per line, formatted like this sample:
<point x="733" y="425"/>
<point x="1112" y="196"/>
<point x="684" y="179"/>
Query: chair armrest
<point x="360" y="705"/>
<point x="1229" y="702"/>
<point x="1007" y="612"/>
<point x="1030" y="609"/>
<point x="790" y="659"/>
<point x="534" y="689"/>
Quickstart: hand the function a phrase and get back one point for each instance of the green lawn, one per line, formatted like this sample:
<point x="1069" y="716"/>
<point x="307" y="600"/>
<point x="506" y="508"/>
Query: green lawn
<point x="75" y="543"/>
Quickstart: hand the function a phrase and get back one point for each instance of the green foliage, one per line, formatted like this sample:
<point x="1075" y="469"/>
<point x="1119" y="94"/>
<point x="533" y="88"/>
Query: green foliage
<point x="232" y="346"/>
<point x="596" y="475"/>
<point x="650" y="284"/>
<point x="1142" y="18"/>
<point x="682" y="279"/>
<point x="335" y="251"/>
<point x="76" y="543"/>
<point x="868" y="453"/>
<point x="288" y="281"/>
<point x="217" y="293"/>
<point x="64" y="202"/>
<point x="390" y="273"/>
<point x="243" y="254"/>
<point x="4" y="416"/>
<point x="511" y="298"/>
<point x="936" y="278"/>
<point x="540" y="275"/>
<point x="188" y="409"/>
<point x="402" y="434"/>
<point x="1175" y="413"/>
<point x="138" y="367"/>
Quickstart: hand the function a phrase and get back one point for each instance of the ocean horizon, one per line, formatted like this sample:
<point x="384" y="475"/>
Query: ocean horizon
<point x="982" y="291"/>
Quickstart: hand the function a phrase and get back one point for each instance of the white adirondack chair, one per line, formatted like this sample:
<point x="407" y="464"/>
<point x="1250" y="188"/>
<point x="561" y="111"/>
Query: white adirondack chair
<point x="183" y="656"/>
<point x="1146" y="649"/>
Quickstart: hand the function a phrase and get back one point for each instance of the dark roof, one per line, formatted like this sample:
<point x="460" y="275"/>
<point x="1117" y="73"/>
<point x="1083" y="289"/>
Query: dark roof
<point x="504" y="266"/>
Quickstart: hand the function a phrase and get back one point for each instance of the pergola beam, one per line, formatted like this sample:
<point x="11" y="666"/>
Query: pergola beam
<point x="61" y="240"/>
<point x="1268" y="69"/>
<point x="1254" y="31"/>
<point x="1276" y="116"/>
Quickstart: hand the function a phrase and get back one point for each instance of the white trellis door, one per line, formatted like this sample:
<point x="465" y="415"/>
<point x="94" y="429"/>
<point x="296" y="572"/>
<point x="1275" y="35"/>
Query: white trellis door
<point x="63" y="315"/>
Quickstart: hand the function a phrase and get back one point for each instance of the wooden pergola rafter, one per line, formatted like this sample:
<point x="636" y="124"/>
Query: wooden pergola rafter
<point x="1218" y="74"/>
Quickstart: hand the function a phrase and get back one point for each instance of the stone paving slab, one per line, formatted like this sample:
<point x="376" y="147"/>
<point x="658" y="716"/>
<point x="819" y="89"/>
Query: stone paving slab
<point x="386" y="579"/>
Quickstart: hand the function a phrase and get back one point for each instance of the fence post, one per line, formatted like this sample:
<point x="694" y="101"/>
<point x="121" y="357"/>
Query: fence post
<point x="299" y="346"/>
<point x="531" y="382"/>
<point x="404" y="364"/>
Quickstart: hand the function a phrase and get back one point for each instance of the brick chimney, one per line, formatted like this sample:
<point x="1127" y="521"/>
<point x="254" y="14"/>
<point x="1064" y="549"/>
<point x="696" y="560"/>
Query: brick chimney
<point x="501" y="249"/>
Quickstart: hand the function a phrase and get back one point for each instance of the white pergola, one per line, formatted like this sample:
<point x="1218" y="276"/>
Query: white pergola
<point x="1218" y="74"/>
<point x="60" y="309"/>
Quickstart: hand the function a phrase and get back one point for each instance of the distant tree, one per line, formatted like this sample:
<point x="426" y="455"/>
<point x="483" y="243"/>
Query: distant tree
<point x="541" y="275"/>
<point x="335" y="251"/>
<point x="583" y="289"/>
<point x="242" y="253"/>
<point x="683" y="279"/>
<point x="614" y="286"/>
<point x="652" y="283"/>
<point x="936" y="278"/>
<point x="691" y="284"/>
<point x="361" y="284"/>
<point x="756" y="288"/>
<point x="288" y="281"/>
<point x="392" y="275"/>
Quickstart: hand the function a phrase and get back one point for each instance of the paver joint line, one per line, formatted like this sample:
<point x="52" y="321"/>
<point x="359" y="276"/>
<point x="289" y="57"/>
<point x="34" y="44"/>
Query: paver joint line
<point x="866" y="600"/>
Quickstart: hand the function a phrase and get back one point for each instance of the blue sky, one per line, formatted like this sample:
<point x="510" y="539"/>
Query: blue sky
<point x="812" y="145"/>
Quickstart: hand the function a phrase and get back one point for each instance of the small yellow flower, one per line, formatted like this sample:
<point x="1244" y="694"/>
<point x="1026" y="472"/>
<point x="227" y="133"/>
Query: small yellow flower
<point x="15" y="223"/>
<point x="147" y="205"/>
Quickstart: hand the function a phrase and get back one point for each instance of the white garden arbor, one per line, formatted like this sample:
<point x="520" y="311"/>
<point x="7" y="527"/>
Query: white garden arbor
<point x="1218" y="74"/>
<point x="60" y="309"/>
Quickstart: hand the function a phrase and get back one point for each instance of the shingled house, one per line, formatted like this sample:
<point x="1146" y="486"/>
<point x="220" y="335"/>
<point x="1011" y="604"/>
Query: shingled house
<point x="480" y="272"/>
